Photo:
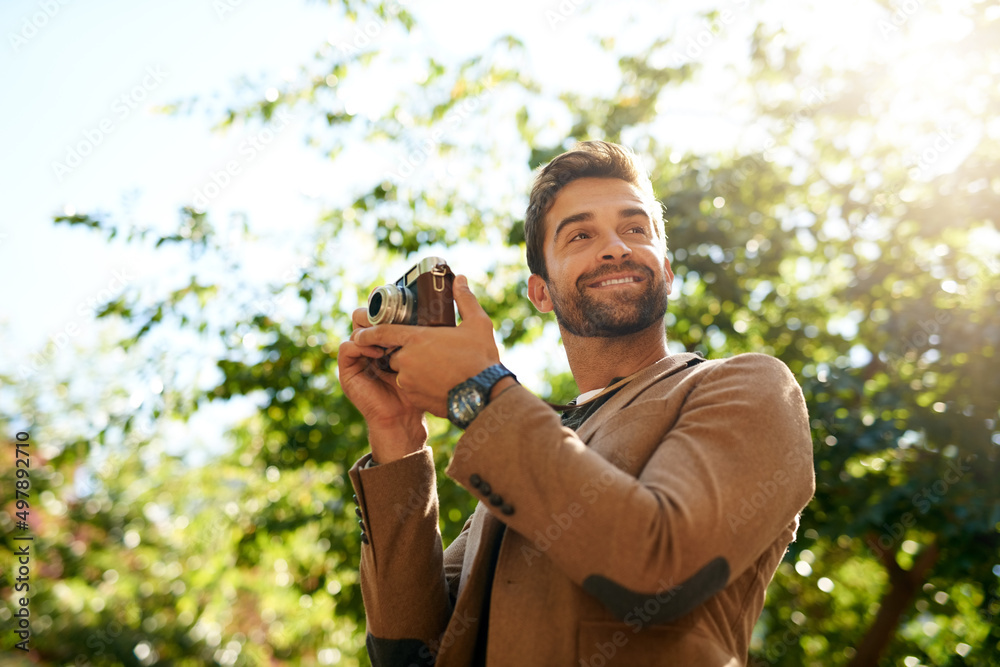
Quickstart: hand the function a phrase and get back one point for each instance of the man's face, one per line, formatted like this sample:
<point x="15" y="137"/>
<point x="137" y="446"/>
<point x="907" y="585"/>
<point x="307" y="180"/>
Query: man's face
<point x="608" y="275"/>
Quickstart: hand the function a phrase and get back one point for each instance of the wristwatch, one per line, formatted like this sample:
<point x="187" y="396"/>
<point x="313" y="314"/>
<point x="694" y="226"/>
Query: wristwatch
<point x="467" y="400"/>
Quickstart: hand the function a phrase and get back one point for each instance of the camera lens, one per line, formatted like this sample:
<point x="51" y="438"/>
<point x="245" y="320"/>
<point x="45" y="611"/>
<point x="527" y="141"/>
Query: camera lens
<point x="374" y="304"/>
<point x="390" y="304"/>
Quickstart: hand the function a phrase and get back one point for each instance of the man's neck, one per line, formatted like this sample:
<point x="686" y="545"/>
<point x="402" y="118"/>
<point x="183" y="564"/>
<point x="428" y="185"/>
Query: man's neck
<point x="596" y="361"/>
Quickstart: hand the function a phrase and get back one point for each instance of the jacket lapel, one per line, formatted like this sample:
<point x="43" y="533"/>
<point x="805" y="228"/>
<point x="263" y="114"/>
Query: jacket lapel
<point x="648" y="376"/>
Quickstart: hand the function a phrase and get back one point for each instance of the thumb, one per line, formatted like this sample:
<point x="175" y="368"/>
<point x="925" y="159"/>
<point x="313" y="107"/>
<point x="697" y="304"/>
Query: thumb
<point x="468" y="306"/>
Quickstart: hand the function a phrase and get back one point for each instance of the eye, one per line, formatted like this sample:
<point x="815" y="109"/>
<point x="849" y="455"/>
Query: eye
<point x="641" y="230"/>
<point x="580" y="236"/>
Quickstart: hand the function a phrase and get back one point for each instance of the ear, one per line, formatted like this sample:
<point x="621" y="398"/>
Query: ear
<point x="669" y="273"/>
<point x="538" y="293"/>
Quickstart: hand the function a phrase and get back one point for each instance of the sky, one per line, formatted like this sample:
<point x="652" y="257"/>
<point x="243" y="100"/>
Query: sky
<point x="91" y="78"/>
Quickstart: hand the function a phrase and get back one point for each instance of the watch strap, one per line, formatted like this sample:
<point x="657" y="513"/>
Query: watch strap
<point x="489" y="377"/>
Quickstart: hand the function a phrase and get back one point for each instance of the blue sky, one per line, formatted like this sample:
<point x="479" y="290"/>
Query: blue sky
<point x="88" y="79"/>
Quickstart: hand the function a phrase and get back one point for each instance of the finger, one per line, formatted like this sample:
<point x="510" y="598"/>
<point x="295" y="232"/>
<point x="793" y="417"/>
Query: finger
<point x="359" y="319"/>
<point x="390" y="354"/>
<point x="385" y="335"/>
<point x="371" y="351"/>
<point x="350" y="361"/>
<point x="386" y="376"/>
<point x="468" y="305"/>
<point x="352" y="353"/>
<point x="354" y="359"/>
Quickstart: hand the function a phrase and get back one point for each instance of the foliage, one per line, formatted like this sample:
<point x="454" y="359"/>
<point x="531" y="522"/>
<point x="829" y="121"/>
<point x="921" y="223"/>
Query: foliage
<point x="837" y="246"/>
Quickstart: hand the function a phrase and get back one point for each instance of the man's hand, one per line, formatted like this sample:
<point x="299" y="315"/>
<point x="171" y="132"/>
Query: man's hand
<point x="432" y="360"/>
<point x="395" y="426"/>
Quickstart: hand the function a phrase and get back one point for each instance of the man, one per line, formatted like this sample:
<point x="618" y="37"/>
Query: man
<point x="647" y="533"/>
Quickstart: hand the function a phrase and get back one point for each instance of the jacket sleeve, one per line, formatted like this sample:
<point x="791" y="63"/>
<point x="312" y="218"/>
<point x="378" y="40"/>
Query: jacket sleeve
<point x="721" y="486"/>
<point x="405" y="575"/>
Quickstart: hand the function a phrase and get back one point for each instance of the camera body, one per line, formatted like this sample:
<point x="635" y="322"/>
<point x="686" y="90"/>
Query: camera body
<point x="422" y="297"/>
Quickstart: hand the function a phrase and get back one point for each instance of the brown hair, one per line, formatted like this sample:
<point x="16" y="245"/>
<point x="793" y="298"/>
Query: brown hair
<point x="588" y="159"/>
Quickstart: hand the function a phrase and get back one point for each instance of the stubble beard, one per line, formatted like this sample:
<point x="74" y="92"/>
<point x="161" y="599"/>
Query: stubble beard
<point x="615" y="314"/>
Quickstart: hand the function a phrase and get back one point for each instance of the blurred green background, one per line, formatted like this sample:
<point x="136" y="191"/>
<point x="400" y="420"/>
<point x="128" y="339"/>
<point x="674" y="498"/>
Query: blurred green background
<point x="844" y="220"/>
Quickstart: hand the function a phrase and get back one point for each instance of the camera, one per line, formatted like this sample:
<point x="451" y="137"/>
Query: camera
<point x="423" y="297"/>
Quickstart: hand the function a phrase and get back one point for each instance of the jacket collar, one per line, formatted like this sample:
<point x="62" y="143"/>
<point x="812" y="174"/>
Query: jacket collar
<point x="648" y="376"/>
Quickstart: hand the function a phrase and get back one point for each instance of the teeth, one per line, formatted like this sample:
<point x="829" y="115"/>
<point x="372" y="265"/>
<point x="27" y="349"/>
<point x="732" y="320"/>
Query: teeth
<point x="617" y="281"/>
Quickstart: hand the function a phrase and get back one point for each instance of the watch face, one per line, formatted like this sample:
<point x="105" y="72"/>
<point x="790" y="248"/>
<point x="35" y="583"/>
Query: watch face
<point x="465" y="403"/>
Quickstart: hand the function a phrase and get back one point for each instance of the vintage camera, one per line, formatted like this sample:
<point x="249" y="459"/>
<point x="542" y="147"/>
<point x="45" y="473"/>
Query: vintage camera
<point x="422" y="297"/>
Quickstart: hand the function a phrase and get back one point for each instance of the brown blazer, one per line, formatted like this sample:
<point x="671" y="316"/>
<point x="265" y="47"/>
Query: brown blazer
<point x="646" y="538"/>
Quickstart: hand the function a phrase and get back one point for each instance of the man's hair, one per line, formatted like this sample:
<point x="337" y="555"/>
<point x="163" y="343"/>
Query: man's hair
<point x="588" y="159"/>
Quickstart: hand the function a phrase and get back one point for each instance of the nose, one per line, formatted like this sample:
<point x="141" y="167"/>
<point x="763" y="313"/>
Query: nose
<point x="615" y="248"/>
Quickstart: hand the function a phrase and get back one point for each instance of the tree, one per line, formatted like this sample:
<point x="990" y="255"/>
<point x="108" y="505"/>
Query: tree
<point x="844" y="244"/>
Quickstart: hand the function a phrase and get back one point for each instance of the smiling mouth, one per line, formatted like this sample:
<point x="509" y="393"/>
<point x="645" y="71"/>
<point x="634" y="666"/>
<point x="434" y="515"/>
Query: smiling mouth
<point x="617" y="281"/>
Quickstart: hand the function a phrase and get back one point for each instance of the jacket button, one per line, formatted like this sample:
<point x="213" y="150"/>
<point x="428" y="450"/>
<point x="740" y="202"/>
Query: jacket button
<point x="506" y="509"/>
<point x="486" y="488"/>
<point x="496" y="499"/>
<point x="357" y="510"/>
<point x="475" y="480"/>
<point x="364" y="538"/>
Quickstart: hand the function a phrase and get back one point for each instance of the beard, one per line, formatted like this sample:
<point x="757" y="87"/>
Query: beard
<point x="614" y="314"/>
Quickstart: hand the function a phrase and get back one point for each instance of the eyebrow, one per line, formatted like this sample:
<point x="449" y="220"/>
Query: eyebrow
<point x="586" y="216"/>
